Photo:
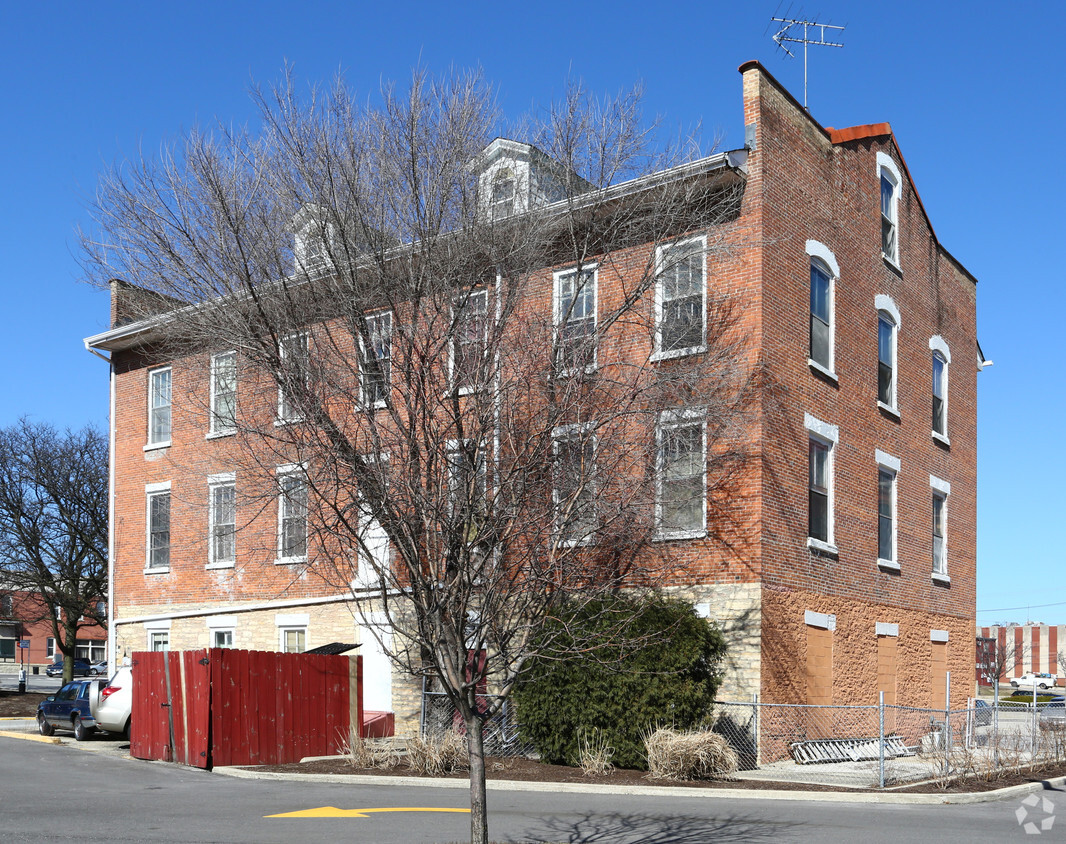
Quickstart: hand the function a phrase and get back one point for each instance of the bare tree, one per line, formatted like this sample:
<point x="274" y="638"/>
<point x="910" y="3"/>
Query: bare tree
<point x="53" y="526"/>
<point x="468" y="456"/>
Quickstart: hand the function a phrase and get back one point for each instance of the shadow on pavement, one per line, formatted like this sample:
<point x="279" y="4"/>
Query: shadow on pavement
<point x="599" y="828"/>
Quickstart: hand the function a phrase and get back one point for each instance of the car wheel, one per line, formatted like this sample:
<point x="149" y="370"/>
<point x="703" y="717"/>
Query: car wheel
<point x="1043" y="685"/>
<point x="43" y="727"/>
<point x="81" y="732"/>
<point x="93" y="672"/>
<point x="126" y="730"/>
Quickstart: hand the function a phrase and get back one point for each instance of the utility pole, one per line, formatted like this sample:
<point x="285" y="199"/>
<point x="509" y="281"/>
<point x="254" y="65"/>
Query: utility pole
<point x="813" y="34"/>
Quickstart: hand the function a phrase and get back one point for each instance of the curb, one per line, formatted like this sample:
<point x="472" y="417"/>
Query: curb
<point x="30" y="737"/>
<point x="659" y="790"/>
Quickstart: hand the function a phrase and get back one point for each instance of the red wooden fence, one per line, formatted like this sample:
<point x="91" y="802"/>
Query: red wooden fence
<point x="231" y="707"/>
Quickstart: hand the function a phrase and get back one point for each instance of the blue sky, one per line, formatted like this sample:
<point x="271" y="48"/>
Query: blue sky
<point x="974" y="93"/>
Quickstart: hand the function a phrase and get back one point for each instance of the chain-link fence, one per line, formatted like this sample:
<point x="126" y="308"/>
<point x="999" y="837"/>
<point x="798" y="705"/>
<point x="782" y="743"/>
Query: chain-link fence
<point x="884" y="745"/>
<point x="878" y="746"/>
<point x="502" y="738"/>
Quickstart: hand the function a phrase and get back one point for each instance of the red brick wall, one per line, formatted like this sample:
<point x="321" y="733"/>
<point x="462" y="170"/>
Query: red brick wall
<point x="808" y="188"/>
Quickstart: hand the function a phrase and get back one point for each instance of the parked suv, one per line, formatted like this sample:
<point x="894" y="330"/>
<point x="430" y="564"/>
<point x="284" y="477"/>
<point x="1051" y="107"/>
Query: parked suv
<point x="111" y="703"/>
<point x="81" y="668"/>
<point x="67" y="709"/>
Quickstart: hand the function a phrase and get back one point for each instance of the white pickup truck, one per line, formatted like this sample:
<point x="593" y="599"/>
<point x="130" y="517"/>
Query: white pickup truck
<point x="1040" y="681"/>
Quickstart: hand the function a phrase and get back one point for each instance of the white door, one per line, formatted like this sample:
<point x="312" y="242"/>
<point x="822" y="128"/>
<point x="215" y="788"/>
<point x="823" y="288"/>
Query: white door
<point x="374" y="638"/>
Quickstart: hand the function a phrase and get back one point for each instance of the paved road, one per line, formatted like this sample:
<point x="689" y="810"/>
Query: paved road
<point x="109" y="799"/>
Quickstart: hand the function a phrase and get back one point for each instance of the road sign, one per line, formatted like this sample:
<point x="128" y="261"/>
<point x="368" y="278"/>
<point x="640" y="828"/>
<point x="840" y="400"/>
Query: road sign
<point x="24" y="644"/>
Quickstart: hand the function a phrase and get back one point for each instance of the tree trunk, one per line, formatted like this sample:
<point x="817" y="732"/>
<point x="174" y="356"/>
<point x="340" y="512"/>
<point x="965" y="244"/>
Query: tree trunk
<point x="69" y="649"/>
<point x="475" y="743"/>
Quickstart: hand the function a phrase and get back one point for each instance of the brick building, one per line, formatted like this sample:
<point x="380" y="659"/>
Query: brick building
<point x="1016" y="649"/>
<point x="857" y="560"/>
<point x="25" y="617"/>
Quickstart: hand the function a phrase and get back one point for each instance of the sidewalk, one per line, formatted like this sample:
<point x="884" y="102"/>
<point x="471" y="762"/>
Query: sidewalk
<point x="27" y="730"/>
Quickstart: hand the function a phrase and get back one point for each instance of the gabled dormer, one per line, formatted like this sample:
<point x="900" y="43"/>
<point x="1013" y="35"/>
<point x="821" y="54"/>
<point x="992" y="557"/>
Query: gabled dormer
<point x="514" y="177"/>
<point x="312" y="235"/>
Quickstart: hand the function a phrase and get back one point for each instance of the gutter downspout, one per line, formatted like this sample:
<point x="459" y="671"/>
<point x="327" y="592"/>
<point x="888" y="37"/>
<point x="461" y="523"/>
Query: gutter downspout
<point x="111" y="645"/>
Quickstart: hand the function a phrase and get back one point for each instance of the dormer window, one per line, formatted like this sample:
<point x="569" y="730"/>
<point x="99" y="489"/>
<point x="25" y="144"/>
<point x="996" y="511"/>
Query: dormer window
<point x="503" y="193"/>
<point x="313" y="236"/>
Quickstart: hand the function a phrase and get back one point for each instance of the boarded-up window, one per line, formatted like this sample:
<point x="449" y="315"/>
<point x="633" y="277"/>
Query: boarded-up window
<point x="938" y="672"/>
<point x="819" y="679"/>
<point x="886" y="676"/>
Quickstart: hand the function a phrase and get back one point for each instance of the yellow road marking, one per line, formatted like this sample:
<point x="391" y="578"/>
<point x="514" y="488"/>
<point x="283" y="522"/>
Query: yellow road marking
<point x="334" y="812"/>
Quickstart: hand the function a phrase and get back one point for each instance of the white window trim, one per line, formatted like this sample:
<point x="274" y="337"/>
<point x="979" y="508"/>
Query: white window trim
<point x="941" y="489"/>
<point x="286" y="622"/>
<point x="817" y="249"/>
<point x="892" y="465"/>
<point x="457" y="306"/>
<point x="149" y="445"/>
<point x="565" y="432"/>
<point x="363" y="403"/>
<point x="212" y="430"/>
<point x="149" y="491"/>
<point x="280" y="419"/>
<point x="937" y="345"/>
<point x="885" y="163"/>
<point x="829" y="435"/>
<point x="884" y="304"/>
<point x="288" y="470"/>
<point x="941" y="636"/>
<point x="221" y="479"/>
<point x="660" y="253"/>
<point x="557" y="314"/>
<point x="679" y="419"/>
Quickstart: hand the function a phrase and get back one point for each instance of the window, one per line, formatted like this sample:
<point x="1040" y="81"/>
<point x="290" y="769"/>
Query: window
<point x="941" y="491"/>
<point x="941" y="364"/>
<point x="223" y="392"/>
<point x="294" y="640"/>
<point x="50" y="647"/>
<point x="574" y="492"/>
<point x="821" y="327"/>
<point x="7" y="606"/>
<point x="818" y="498"/>
<point x="890" y="180"/>
<point x="575" y="321"/>
<point x="887" y="470"/>
<point x="503" y="193"/>
<point x="292" y="376"/>
<point x="886" y="516"/>
<point x="158" y="512"/>
<point x="940" y="558"/>
<point x="681" y="465"/>
<point x="292" y="515"/>
<point x="101" y="609"/>
<point x="159" y="640"/>
<point x="222" y="491"/>
<point x="222" y="638"/>
<point x="468" y="485"/>
<point x="824" y="273"/>
<point x="886" y="360"/>
<point x="940" y="395"/>
<point x="680" y="299"/>
<point x="159" y="407"/>
<point x="376" y="361"/>
<point x="470" y="338"/>
<point x="820" y="447"/>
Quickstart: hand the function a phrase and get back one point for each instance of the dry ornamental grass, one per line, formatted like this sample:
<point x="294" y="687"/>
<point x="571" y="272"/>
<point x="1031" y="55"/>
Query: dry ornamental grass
<point x="695" y="754"/>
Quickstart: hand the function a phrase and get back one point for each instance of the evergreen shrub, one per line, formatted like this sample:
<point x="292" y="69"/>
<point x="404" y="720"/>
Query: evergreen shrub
<point x="620" y="665"/>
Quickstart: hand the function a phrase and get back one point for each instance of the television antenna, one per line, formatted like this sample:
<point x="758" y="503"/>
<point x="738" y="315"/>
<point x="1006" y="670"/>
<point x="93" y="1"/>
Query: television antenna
<point x="813" y="34"/>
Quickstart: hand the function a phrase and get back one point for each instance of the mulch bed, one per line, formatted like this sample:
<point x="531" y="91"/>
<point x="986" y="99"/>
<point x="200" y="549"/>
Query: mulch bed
<point x="527" y="770"/>
<point x="14" y="705"/>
